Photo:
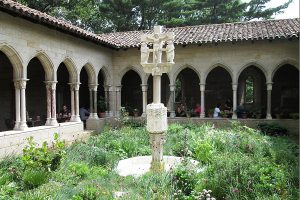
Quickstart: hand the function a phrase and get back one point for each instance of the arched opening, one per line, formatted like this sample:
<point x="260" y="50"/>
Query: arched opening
<point x="252" y="93"/>
<point x="102" y="104"/>
<point x="131" y="95"/>
<point x="7" y="108"/>
<point x="187" y="91"/>
<point x="84" y="100"/>
<point x="63" y="93"/>
<point x="218" y="89"/>
<point x="285" y="92"/>
<point x="36" y="100"/>
<point x="165" y="89"/>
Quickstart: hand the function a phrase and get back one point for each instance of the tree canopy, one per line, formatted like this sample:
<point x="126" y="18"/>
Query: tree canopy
<point x="125" y="15"/>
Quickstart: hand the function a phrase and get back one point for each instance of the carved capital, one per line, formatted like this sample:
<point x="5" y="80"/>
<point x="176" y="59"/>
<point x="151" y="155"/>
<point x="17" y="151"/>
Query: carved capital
<point x="234" y="86"/>
<point x="269" y="86"/>
<point x="172" y="87"/>
<point x="20" y="83"/>
<point x="202" y="87"/>
<point x="118" y="88"/>
<point x="144" y="87"/>
<point x="51" y="85"/>
<point x="93" y="87"/>
<point x="74" y="86"/>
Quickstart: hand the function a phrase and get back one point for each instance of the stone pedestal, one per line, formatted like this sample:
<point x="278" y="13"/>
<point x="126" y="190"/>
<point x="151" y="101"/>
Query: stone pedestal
<point x="157" y="125"/>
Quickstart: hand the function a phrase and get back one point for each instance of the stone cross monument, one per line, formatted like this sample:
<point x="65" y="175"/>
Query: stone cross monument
<point x="157" y="123"/>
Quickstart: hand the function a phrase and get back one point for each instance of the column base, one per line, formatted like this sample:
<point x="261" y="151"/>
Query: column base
<point x="77" y="118"/>
<point x="202" y="115"/>
<point x="269" y="116"/>
<point x="53" y="122"/>
<point x="143" y="115"/>
<point x="23" y="126"/>
<point x="157" y="166"/>
<point x="48" y="122"/>
<point x="17" y="126"/>
<point x="234" y="116"/>
<point x="172" y="114"/>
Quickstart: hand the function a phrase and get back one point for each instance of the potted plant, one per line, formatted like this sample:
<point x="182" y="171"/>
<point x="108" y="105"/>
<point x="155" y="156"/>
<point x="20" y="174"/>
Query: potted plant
<point x="211" y="113"/>
<point x="101" y="107"/>
<point x="135" y="112"/>
<point x="277" y="113"/>
<point x="257" y="113"/>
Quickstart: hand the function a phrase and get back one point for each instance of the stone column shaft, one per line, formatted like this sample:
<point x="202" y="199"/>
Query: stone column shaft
<point x="172" y="101"/>
<point x="76" y="87"/>
<point x="144" y="90"/>
<point x="118" y="100"/>
<point x="269" y="99"/>
<point x="48" y="97"/>
<point x="18" y="106"/>
<point x="72" y="104"/>
<point x="202" y="91"/>
<point x="156" y="88"/>
<point x="91" y="102"/>
<point x="95" y="104"/>
<point x="234" y="98"/>
<point x="23" y="124"/>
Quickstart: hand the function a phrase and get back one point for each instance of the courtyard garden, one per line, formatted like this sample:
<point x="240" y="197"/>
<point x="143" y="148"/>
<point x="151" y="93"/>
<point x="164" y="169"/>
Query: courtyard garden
<point x="235" y="162"/>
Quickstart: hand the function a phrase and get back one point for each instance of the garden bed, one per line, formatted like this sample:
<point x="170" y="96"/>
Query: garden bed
<point x="239" y="162"/>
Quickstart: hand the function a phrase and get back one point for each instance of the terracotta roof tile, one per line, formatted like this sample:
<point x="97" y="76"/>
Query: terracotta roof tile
<point x="212" y="33"/>
<point x="215" y="33"/>
<point x="45" y="19"/>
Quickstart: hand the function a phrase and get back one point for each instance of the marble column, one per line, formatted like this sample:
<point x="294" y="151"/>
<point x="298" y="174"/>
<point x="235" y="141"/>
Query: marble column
<point x="269" y="98"/>
<point x="234" y="99"/>
<point x="53" y="121"/>
<point x="95" y="102"/>
<point x="144" y="90"/>
<point x="23" y="124"/>
<point x="72" y="102"/>
<point x="48" y="97"/>
<point x="18" y="105"/>
<point x="118" y="100"/>
<point x="76" y="88"/>
<point x="172" y="101"/>
<point x="202" y="90"/>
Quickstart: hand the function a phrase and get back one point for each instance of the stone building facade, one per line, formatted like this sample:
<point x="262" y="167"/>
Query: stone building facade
<point x="46" y="63"/>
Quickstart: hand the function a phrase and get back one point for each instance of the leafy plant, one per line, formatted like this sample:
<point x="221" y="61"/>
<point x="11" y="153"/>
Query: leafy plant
<point x="80" y="169"/>
<point x="34" y="178"/>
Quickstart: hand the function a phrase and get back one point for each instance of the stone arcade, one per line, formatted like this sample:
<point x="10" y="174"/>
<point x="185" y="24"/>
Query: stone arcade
<point x="46" y="63"/>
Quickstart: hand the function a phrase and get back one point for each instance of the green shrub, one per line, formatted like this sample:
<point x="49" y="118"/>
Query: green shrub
<point x="272" y="129"/>
<point x="42" y="157"/>
<point x="34" y="178"/>
<point x="88" y="193"/>
<point x="80" y="169"/>
<point x="203" y="152"/>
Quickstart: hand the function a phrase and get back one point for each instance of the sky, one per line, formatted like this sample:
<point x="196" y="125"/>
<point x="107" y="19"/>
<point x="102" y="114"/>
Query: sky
<point x="291" y="12"/>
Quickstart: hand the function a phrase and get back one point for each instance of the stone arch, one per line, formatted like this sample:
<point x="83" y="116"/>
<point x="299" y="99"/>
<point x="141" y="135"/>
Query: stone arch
<point x="106" y="75"/>
<point x="228" y="69"/>
<point x="90" y="71"/>
<point x="287" y="61"/>
<point x="46" y="63"/>
<point x="125" y="70"/>
<point x="259" y="66"/>
<point x="172" y="81"/>
<point x="15" y="60"/>
<point x="71" y="69"/>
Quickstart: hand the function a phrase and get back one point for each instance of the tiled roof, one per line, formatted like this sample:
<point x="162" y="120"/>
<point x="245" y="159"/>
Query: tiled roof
<point x="36" y="16"/>
<point x="212" y="33"/>
<point x="215" y="33"/>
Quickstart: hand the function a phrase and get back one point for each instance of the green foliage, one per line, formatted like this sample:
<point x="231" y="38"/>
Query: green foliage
<point x="41" y="157"/>
<point x="88" y="193"/>
<point x="34" y="178"/>
<point x="272" y="129"/>
<point x="123" y="15"/>
<point x="101" y="104"/>
<point x="80" y="169"/>
<point x="203" y="152"/>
